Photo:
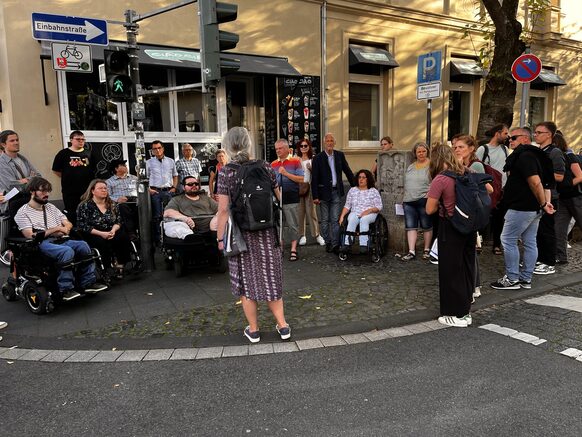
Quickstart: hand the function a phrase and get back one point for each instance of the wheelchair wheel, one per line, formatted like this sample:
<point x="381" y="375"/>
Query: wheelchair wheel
<point x="6" y="257"/>
<point x="37" y="299"/>
<point x="380" y="239"/>
<point x="343" y="256"/>
<point x="9" y="291"/>
<point x="178" y="265"/>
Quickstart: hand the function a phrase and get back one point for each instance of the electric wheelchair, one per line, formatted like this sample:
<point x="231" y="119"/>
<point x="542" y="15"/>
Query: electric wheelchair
<point x="33" y="275"/>
<point x="377" y="240"/>
<point x="196" y="250"/>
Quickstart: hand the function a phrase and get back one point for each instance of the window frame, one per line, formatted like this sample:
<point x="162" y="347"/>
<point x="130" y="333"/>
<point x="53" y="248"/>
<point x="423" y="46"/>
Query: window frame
<point x="369" y="80"/>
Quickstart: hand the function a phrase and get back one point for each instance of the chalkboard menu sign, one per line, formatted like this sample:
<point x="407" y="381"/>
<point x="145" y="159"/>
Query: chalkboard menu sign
<point x="299" y="109"/>
<point x="102" y="154"/>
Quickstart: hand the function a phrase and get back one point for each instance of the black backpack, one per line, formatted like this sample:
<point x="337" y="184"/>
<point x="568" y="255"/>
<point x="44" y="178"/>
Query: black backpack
<point x="252" y="203"/>
<point x="472" y="204"/>
<point x="486" y="152"/>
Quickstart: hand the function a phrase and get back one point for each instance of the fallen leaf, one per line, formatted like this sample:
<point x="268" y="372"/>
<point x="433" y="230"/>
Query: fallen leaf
<point x="113" y="348"/>
<point x="150" y="294"/>
<point x="115" y="385"/>
<point x="167" y="323"/>
<point x="238" y="302"/>
<point x="307" y="296"/>
<point x="317" y="308"/>
<point x="9" y="362"/>
<point x="348" y="301"/>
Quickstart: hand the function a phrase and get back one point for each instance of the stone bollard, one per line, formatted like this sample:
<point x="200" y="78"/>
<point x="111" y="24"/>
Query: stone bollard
<point x="391" y="168"/>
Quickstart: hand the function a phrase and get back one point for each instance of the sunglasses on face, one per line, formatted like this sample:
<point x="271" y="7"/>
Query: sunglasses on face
<point x="515" y="137"/>
<point x="304" y="145"/>
<point x="192" y="184"/>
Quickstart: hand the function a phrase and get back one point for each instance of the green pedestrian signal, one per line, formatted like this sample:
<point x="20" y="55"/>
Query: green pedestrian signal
<point x="118" y="80"/>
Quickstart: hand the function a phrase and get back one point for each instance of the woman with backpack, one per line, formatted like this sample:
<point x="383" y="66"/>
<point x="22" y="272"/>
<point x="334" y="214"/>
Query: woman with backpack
<point x="256" y="274"/>
<point x="456" y="250"/>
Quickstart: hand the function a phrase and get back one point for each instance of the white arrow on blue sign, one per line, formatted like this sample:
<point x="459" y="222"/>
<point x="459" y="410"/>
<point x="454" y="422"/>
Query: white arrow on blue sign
<point x="63" y="28"/>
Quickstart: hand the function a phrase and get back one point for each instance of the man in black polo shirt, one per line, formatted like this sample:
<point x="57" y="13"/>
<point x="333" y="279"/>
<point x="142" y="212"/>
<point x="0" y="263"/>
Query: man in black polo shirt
<point x="527" y="197"/>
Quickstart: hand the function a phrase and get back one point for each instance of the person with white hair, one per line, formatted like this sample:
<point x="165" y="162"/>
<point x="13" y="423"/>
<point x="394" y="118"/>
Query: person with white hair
<point x="257" y="274"/>
<point x="188" y="165"/>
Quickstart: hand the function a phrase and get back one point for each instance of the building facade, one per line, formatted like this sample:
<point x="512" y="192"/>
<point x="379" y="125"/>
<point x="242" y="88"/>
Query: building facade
<point x="307" y="67"/>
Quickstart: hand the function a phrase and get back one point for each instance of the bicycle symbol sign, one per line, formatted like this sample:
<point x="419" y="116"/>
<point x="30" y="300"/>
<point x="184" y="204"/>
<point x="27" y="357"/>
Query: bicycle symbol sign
<point x="72" y="57"/>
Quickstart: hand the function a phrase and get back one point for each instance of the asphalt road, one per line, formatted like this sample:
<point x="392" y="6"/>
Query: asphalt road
<point x="447" y="382"/>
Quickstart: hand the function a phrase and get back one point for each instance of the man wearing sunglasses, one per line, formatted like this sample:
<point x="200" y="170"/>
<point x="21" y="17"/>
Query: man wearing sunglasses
<point x="192" y="210"/>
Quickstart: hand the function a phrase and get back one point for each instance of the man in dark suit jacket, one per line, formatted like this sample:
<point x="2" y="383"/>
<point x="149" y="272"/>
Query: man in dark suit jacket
<point x="327" y="189"/>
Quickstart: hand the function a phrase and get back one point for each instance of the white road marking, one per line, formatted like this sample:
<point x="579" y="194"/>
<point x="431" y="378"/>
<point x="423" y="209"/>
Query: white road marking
<point x="554" y="300"/>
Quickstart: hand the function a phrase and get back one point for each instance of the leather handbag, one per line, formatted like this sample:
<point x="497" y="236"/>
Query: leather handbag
<point x="304" y="188"/>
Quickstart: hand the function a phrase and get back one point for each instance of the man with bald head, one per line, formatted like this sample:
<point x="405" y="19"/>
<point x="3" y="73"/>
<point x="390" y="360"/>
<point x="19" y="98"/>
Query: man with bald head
<point x="327" y="188"/>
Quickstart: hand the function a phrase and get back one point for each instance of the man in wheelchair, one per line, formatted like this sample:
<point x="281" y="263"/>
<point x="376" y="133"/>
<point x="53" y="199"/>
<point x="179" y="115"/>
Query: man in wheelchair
<point x="192" y="212"/>
<point x="38" y="216"/>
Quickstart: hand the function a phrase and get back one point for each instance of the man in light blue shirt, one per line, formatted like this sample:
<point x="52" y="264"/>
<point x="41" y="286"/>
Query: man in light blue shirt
<point x="163" y="179"/>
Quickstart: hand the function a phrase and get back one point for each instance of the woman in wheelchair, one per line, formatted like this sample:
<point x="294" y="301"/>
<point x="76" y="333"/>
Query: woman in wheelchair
<point x="99" y="221"/>
<point x="363" y="204"/>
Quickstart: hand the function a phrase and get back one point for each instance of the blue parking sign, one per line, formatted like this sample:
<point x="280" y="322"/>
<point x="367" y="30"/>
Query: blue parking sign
<point x="429" y="67"/>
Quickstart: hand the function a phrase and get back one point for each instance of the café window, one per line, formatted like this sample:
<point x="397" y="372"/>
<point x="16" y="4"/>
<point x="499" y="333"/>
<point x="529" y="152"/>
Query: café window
<point x="537" y="109"/>
<point x="460" y="111"/>
<point x="157" y="106"/>
<point x="369" y="66"/>
<point x="89" y="109"/>
<point x="365" y="111"/>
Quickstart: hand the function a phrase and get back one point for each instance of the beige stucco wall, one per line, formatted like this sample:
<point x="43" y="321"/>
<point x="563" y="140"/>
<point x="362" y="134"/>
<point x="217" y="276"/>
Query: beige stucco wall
<point x="288" y="28"/>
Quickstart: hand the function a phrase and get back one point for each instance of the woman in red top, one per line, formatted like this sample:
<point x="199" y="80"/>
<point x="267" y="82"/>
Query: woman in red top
<point x="222" y="159"/>
<point x="456" y="251"/>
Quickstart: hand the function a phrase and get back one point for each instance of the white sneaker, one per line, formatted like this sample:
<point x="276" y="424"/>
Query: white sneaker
<point x="453" y="321"/>
<point x="3" y="325"/>
<point x="320" y="240"/>
<point x="468" y="319"/>
<point x="544" y="269"/>
<point x="303" y="241"/>
<point x="477" y="292"/>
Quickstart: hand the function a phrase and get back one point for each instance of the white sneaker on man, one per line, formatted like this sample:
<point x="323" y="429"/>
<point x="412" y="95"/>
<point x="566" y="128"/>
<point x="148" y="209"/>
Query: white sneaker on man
<point x="544" y="269"/>
<point x="320" y="240"/>
<point x="302" y="241"/>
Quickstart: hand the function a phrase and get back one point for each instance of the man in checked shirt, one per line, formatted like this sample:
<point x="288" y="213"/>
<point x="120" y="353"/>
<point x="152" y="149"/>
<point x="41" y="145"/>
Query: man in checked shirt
<point x="122" y="187"/>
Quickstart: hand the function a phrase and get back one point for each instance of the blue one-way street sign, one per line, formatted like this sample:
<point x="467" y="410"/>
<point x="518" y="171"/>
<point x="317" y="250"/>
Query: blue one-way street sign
<point x="63" y="28"/>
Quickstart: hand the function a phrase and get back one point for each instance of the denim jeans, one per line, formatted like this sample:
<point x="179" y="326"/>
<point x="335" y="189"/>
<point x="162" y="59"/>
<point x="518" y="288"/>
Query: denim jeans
<point x="520" y="225"/>
<point x="330" y="212"/>
<point x="158" y="200"/>
<point x="364" y="222"/>
<point x="66" y="252"/>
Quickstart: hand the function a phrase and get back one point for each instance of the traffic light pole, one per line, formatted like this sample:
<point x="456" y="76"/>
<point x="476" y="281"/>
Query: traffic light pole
<point x="144" y="207"/>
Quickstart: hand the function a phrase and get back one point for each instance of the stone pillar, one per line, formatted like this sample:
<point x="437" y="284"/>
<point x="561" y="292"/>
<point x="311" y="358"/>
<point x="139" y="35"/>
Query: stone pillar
<point x="391" y="168"/>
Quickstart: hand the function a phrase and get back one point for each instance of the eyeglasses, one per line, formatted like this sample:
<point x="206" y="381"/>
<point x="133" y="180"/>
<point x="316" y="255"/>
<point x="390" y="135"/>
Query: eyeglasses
<point x="157" y="148"/>
<point x="515" y="137"/>
<point x="362" y="177"/>
<point x="539" y="132"/>
<point x="192" y="184"/>
<point x="303" y="145"/>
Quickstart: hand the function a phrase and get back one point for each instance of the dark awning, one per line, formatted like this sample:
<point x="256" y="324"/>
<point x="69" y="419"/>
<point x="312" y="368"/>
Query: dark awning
<point x="548" y="78"/>
<point x="465" y="69"/>
<point x="372" y="56"/>
<point x="178" y="57"/>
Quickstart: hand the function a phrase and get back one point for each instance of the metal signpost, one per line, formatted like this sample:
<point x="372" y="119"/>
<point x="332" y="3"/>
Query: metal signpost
<point x="73" y="29"/>
<point x="525" y="68"/>
<point x="429" y="85"/>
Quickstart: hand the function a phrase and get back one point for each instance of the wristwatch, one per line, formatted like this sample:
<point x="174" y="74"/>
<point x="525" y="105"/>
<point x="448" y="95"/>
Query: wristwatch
<point x="542" y="206"/>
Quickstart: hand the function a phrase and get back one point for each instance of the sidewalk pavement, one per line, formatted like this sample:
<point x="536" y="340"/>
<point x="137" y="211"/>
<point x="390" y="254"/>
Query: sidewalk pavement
<point x="323" y="297"/>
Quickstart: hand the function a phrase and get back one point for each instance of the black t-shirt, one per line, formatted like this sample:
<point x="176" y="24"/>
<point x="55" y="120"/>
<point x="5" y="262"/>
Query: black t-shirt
<point x="565" y="188"/>
<point x="517" y="194"/>
<point x="76" y="169"/>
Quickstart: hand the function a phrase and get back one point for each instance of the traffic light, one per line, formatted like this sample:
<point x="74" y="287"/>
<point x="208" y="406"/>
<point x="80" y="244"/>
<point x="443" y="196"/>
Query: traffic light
<point x="117" y="76"/>
<point x="214" y="41"/>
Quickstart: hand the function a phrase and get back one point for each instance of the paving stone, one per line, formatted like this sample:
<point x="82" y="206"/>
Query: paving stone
<point x="184" y="354"/>
<point x="132" y="355"/>
<point x="332" y="341"/>
<point x="489" y="327"/>
<point x="398" y="332"/>
<point x="312" y="343"/>
<point x="209" y="352"/>
<point x="158" y="355"/>
<point x="261" y="349"/>
<point x="34" y="355"/>
<point x="58" y="356"/>
<point x="571" y="352"/>
<point x="355" y="338"/>
<point x="106" y="356"/>
<point x="285" y="347"/>
<point x="434" y="325"/>
<point x="538" y="341"/>
<point x="81" y="357"/>
<point x="13" y="354"/>
<point x="504" y="331"/>
<point x="527" y="338"/>
<point x="235" y="351"/>
<point x="418" y="328"/>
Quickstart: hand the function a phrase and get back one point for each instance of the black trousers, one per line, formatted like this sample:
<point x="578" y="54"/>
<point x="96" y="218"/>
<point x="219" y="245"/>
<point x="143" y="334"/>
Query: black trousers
<point x="497" y="220"/>
<point x="129" y="217"/>
<point x="71" y="201"/>
<point x="546" y="238"/>
<point x="119" y="246"/>
<point x="457" y="263"/>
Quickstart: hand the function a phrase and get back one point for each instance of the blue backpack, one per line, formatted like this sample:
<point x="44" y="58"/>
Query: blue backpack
<point x="473" y="204"/>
